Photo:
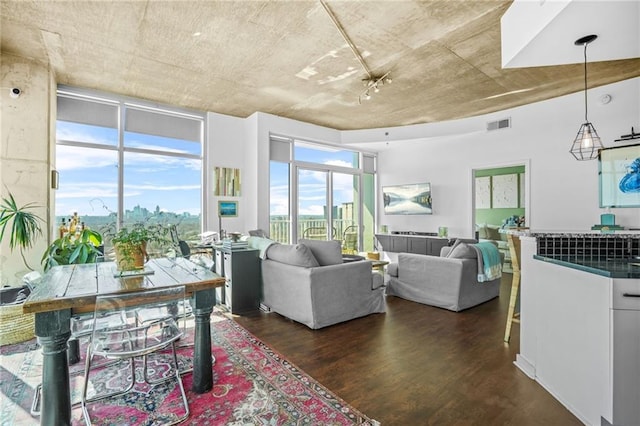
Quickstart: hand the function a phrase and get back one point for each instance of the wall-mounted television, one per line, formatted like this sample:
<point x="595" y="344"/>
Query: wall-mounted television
<point x="619" y="170"/>
<point x="414" y="198"/>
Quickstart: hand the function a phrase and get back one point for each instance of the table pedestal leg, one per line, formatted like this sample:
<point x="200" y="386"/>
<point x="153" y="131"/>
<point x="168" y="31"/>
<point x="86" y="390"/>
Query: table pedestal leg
<point x="204" y="301"/>
<point x="52" y="329"/>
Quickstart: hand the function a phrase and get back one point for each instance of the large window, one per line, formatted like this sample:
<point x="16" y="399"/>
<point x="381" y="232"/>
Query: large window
<point x="307" y="177"/>
<point x="122" y="161"/>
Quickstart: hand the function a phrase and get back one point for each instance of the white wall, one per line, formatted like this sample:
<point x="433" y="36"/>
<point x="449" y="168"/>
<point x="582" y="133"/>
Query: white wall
<point x="244" y="143"/>
<point x="564" y="192"/>
<point x="226" y="147"/>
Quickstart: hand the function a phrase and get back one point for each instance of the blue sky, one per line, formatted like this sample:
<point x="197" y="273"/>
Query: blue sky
<point x="89" y="177"/>
<point x="312" y="183"/>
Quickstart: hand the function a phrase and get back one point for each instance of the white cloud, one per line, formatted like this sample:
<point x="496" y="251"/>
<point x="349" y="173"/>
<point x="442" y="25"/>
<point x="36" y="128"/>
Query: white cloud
<point x="75" y="158"/>
<point x="314" y="209"/>
<point x="64" y="133"/>
<point x="340" y="163"/>
<point x="151" y="187"/>
<point x="68" y="158"/>
<point x="279" y="200"/>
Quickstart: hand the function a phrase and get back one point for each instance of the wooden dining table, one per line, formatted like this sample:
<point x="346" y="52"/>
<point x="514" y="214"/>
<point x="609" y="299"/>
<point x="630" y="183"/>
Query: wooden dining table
<point x="72" y="289"/>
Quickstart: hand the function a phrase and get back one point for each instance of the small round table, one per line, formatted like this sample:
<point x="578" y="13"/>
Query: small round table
<point x="378" y="264"/>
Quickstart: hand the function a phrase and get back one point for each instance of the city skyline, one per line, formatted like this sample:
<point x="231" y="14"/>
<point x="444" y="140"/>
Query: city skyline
<point x="90" y="186"/>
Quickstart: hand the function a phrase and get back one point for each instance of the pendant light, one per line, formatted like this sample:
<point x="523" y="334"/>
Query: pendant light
<point x="587" y="144"/>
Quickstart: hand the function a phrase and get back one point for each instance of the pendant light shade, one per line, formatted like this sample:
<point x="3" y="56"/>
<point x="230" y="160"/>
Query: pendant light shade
<point x="587" y="144"/>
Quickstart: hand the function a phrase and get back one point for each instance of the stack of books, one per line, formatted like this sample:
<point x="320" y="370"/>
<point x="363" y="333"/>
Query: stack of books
<point x="234" y="245"/>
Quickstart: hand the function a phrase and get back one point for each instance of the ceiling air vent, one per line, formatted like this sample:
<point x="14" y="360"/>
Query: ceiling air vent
<point x="499" y="124"/>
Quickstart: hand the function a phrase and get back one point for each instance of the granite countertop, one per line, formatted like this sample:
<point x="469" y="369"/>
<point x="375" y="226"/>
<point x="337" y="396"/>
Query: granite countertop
<point x="612" y="268"/>
<point x="584" y="234"/>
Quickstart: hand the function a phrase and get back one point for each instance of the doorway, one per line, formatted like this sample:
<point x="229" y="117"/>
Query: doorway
<point x="318" y="188"/>
<point x="500" y="200"/>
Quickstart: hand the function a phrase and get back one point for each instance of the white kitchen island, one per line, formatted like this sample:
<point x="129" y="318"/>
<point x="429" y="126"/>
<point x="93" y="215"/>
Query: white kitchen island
<point x="580" y="327"/>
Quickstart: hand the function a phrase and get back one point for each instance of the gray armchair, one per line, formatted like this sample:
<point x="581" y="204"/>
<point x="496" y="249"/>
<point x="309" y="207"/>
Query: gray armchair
<point x="446" y="282"/>
<point x="319" y="290"/>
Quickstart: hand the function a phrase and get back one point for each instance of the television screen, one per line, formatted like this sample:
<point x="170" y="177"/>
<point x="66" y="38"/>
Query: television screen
<point x="413" y="198"/>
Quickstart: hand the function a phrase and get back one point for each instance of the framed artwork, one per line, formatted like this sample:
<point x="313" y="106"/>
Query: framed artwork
<point x="483" y="192"/>
<point x="227" y="182"/>
<point x="227" y="208"/>
<point x="619" y="176"/>
<point x="505" y="191"/>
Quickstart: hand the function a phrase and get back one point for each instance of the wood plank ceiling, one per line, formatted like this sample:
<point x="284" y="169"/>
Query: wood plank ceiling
<point x="287" y="58"/>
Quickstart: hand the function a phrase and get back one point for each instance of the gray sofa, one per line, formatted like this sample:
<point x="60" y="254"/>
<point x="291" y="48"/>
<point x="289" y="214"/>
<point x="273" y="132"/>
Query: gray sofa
<point x="449" y="281"/>
<point x="309" y="283"/>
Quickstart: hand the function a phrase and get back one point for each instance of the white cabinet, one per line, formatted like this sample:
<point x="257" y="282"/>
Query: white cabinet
<point x="580" y="339"/>
<point x="625" y="347"/>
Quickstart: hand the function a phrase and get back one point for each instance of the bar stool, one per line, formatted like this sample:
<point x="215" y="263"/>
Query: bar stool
<point x="512" y="315"/>
<point x="134" y="340"/>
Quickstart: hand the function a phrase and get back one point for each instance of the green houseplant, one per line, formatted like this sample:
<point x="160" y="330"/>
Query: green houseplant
<point x="72" y="249"/>
<point x="130" y="243"/>
<point x="24" y="225"/>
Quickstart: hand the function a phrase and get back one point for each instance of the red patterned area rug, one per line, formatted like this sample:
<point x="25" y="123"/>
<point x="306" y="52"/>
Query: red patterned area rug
<point x="253" y="385"/>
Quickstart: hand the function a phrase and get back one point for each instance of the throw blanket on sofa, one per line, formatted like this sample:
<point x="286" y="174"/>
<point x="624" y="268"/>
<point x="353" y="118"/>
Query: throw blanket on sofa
<point x="489" y="263"/>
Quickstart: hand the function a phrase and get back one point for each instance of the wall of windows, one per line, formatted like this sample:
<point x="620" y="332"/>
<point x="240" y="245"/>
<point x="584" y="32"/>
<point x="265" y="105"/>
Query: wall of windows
<point x="123" y="160"/>
<point x="306" y="178"/>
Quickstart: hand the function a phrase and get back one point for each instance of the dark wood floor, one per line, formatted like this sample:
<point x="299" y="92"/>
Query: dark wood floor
<point x="419" y="365"/>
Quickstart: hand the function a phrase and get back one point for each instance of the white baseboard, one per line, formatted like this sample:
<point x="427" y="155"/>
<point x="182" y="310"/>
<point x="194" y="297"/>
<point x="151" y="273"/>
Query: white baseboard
<point x="566" y="405"/>
<point x="529" y="369"/>
<point x="525" y="366"/>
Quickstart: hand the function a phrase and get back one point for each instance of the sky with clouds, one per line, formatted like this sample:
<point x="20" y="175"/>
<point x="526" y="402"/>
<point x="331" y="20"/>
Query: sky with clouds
<point x="88" y="182"/>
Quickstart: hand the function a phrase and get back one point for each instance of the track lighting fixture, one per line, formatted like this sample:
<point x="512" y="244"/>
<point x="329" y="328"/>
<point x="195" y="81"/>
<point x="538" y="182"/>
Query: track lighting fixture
<point x="373" y="83"/>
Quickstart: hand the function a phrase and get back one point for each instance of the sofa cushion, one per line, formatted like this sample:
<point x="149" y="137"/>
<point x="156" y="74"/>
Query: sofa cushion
<point x="462" y="251"/>
<point x="392" y="269"/>
<point x="325" y="252"/>
<point x="297" y="255"/>
<point x="493" y="232"/>
<point x="482" y="231"/>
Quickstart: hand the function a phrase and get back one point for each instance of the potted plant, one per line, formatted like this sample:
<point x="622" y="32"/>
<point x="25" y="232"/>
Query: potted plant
<point x="24" y="225"/>
<point x="130" y="244"/>
<point x="72" y="249"/>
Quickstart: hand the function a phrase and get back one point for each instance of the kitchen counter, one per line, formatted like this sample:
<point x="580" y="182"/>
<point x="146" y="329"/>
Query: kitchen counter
<point x="611" y="268"/>
<point x="580" y="317"/>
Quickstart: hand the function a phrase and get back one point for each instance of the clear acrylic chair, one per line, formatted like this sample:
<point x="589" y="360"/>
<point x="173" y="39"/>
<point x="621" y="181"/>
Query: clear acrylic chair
<point x="179" y="310"/>
<point x="133" y="340"/>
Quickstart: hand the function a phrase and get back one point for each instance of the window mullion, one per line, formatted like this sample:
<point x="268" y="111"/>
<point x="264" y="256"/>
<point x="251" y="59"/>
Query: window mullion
<point x="121" y="115"/>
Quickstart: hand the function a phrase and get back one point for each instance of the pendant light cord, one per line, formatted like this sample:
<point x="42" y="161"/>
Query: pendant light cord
<point x="585" y="83"/>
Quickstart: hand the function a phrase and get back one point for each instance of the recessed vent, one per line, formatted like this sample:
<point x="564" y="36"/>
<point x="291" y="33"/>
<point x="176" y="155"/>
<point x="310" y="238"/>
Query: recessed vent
<point x="499" y="124"/>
